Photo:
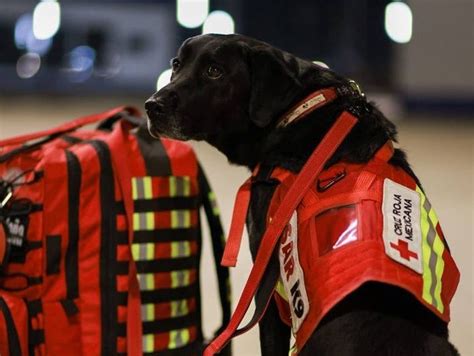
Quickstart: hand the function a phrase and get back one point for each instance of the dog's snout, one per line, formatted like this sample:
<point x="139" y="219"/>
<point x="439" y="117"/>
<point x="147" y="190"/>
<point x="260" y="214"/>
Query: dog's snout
<point x="156" y="106"/>
<point x="163" y="104"/>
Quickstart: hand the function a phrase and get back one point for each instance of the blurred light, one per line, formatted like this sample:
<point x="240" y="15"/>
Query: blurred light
<point x="163" y="79"/>
<point x="321" y="64"/>
<point x="23" y="28"/>
<point x="46" y="19"/>
<point x="81" y="63"/>
<point x="24" y="38"/>
<point x="219" y="22"/>
<point x="398" y="22"/>
<point x="28" y="65"/>
<point x="191" y="13"/>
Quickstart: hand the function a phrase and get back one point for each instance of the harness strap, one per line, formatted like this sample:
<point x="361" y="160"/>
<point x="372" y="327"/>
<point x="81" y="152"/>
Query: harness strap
<point x="305" y="178"/>
<point x="241" y="205"/>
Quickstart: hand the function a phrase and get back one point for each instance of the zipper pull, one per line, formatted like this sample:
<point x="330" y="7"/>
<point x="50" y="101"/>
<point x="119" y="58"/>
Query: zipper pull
<point x="6" y="193"/>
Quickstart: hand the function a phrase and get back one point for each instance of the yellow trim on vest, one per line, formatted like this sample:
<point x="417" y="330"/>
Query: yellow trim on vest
<point x="180" y="219"/>
<point x="180" y="278"/>
<point x="148" y="312"/>
<point x="147" y="187"/>
<point x="148" y="343"/>
<point x="433" y="249"/>
<point x="179" y="308"/>
<point x="178" y="338"/>
<point x="134" y="188"/>
<point x="180" y="249"/>
<point x="280" y="289"/>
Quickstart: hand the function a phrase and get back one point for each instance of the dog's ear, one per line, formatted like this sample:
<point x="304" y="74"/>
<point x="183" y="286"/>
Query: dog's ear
<point x="274" y="84"/>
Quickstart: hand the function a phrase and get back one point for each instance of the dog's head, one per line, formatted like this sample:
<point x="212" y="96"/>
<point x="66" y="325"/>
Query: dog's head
<point x="225" y="84"/>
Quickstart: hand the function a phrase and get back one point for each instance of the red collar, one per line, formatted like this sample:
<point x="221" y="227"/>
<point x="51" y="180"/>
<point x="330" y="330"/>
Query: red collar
<point x="317" y="99"/>
<point x="306" y="106"/>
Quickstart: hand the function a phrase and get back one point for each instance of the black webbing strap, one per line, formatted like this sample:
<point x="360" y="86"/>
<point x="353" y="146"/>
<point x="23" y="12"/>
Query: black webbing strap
<point x="108" y="246"/>
<point x="218" y="241"/>
<point x="12" y="334"/>
<point x="157" y="162"/>
<point x="71" y="258"/>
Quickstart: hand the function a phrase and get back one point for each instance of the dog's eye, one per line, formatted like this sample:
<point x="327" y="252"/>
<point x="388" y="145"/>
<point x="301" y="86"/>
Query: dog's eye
<point x="175" y="64"/>
<point x="214" y="72"/>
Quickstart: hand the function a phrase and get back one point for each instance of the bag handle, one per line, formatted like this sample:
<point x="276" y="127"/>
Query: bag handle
<point x="211" y="210"/>
<point x="70" y="126"/>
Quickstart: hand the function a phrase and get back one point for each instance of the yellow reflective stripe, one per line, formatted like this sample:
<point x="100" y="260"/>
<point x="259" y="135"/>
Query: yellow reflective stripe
<point x="180" y="219"/>
<point x="180" y="278"/>
<point x="280" y="289"/>
<point x="150" y="221"/>
<point x="147" y="188"/>
<point x="439" y="250"/>
<point x="134" y="188"/>
<point x="146" y="281"/>
<point x="432" y="272"/>
<point x="427" y="278"/>
<point x="172" y="182"/>
<point x="148" y="343"/>
<point x="178" y="338"/>
<point x="180" y="186"/>
<point x="148" y="312"/>
<point x="136" y="221"/>
<point x="136" y="251"/>
<point x="180" y="249"/>
<point x="186" y="186"/>
<point x="213" y="201"/>
<point x="179" y="308"/>
<point x="143" y="221"/>
<point x="143" y="252"/>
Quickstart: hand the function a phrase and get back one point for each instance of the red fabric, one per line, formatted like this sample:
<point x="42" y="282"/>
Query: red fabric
<point x="232" y="247"/>
<point x="69" y="126"/>
<point x="312" y="168"/>
<point x="340" y="241"/>
<point x="19" y="314"/>
<point x="134" y="323"/>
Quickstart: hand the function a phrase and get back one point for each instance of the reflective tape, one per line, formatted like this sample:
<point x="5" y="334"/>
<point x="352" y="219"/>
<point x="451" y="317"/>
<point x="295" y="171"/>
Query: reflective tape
<point x="180" y="186"/>
<point x="180" y="219"/>
<point x="181" y="278"/>
<point x="180" y="249"/>
<point x="148" y="343"/>
<point x="433" y="249"/>
<point x="143" y="221"/>
<point x="146" y="281"/>
<point x="178" y="338"/>
<point x="179" y="308"/>
<point x="148" y="312"/>
<point x="213" y="201"/>
<point x="144" y="251"/>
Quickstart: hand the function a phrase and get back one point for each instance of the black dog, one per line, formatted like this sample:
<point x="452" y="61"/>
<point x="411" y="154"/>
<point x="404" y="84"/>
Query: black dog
<point x="230" y="91"/>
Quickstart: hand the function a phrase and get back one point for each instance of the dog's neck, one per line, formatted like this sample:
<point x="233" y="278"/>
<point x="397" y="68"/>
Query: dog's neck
<point x="289" y="147"/>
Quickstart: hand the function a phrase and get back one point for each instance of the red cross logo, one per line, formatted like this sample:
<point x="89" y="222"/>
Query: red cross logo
<point x="403" y="249"/>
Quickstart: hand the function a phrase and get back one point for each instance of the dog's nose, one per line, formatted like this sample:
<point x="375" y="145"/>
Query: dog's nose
<point x="163" y="104"/>
<point x="153" y="105"/>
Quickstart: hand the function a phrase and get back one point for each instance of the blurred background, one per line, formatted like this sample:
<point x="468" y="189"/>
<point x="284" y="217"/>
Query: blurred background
<point x="64" y="59"/>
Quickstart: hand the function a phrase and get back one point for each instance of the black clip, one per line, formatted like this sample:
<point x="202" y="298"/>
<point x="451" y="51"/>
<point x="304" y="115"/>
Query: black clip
<point x="330" y="182"/>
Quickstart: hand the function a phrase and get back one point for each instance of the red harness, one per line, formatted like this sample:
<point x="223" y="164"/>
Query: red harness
<point x="337" y="229"/>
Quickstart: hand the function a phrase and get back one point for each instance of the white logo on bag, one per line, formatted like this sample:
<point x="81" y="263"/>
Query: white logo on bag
<point x="402" y="225"/>
<point x="292" y="274"/>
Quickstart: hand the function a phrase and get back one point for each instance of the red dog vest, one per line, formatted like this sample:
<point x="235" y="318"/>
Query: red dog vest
<point x="345" y="226"/>
<point x="359" y="223"/>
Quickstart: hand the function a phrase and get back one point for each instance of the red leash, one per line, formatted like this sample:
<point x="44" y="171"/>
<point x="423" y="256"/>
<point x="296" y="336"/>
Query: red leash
<point x="305" y="178"/>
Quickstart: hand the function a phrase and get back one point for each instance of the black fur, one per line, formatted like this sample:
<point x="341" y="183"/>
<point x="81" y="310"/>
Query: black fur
<point x="237" y="113"/>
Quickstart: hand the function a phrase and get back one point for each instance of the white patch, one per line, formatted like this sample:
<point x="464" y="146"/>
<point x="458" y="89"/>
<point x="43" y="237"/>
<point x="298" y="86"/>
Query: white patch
<point x="300" y="110"/>
<point x="292" y="274"/>
<point x="402" y="225"/>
